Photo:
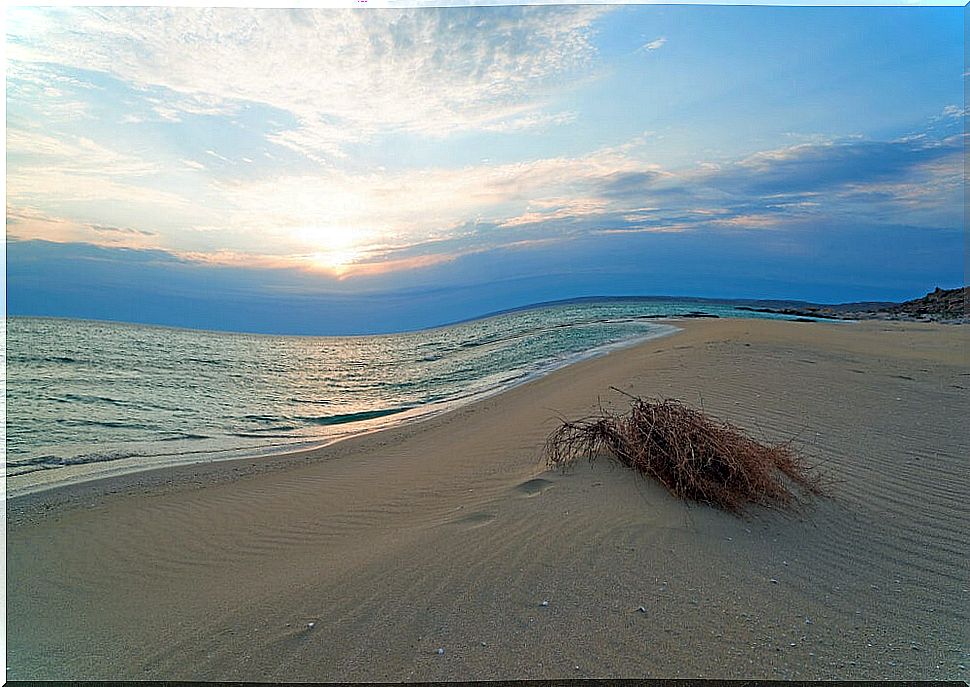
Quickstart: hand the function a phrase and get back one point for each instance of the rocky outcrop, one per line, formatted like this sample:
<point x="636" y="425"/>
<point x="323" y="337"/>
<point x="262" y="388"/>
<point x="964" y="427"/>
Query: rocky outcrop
<point x="940" y="305"/>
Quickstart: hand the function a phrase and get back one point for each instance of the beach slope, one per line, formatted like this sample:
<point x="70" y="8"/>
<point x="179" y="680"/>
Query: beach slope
<point x="445" y="550"/>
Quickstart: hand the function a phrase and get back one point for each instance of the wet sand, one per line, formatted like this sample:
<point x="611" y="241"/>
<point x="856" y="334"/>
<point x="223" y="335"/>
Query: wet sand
<point x="450" y="534"/>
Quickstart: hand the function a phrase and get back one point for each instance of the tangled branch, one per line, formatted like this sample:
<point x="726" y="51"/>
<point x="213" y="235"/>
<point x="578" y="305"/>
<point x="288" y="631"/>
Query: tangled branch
<point x="695" y="457"/>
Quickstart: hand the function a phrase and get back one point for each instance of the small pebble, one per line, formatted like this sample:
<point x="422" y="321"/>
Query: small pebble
<point x="440" y="652"/>
<point x="544" y="603"/>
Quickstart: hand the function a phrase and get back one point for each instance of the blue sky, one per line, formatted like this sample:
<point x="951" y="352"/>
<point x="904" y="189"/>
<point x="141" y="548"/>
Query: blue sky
<point x="336" y="171"/>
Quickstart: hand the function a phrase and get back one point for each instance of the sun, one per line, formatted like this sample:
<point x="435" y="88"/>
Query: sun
<point x="334" y="248"/>
<point x="336" y="261"/>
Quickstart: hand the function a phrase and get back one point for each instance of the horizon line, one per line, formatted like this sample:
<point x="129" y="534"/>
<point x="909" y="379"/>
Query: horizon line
<point x="484" y="316"/>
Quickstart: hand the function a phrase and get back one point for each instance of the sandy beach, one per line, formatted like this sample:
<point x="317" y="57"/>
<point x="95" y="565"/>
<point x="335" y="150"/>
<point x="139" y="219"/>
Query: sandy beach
<point x="358" y="562"/>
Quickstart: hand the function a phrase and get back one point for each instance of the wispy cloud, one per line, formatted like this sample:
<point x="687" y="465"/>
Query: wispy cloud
<point x="954" y="111"/>
<point x="343" y="75"/>
<point x="67" y="169"/>
<point x="75" y="154"/>
<point x="30" y="223"/>
<point x="819" y="166"/>
<point x="532" y="120"/>
<point x="655" y="44"/>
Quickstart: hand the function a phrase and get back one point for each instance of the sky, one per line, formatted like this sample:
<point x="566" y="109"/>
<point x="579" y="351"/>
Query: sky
<point x="329" y="171"/>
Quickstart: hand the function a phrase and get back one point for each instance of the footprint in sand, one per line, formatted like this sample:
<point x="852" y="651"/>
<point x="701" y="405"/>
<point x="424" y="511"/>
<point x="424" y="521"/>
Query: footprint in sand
<point x="533" y="487"/>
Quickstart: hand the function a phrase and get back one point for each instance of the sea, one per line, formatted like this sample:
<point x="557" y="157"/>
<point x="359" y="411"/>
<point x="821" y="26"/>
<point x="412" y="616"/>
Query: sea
<point x="87" y="399"/>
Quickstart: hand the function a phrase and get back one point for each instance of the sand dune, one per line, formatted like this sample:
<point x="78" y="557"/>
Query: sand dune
<point x="450" y="534"/>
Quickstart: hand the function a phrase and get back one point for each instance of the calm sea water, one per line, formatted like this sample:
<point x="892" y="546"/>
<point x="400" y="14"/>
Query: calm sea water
<point x="84" y="393"/>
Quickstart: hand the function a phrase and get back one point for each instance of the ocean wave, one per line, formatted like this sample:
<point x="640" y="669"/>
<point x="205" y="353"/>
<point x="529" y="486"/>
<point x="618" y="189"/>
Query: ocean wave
<point x="206" y="361"/>
<point x="259" y="431"/>
<point x="255" y="434"/>
<point x="186" y="436"/>
<point x="107" y="400"/>
<point x="107" y="424"/>
<point x="26" y="465"/>
<point x="26" y="358"/>
<point x="353" y="417"/>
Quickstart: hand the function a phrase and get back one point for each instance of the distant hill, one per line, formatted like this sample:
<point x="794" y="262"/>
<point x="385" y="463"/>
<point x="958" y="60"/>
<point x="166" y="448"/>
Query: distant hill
<point x="948" y="305"/>
<point x="945" y="303"/>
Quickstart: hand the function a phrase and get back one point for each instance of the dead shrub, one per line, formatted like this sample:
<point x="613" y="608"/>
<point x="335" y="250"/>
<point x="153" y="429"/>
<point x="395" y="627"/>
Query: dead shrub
<point x="694" y="456"/>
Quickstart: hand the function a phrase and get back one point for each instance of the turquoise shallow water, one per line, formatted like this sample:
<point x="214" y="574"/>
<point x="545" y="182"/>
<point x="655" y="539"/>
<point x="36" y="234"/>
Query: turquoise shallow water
<point x="84" y="392"/>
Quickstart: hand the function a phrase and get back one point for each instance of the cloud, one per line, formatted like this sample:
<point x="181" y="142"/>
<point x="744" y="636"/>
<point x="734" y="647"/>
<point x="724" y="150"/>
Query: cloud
<point x="74" y="154"/>
<point x="343" y="75"/>
<point x="626" y="184"/>
<point x="816" y="167"/>
<point x="26" y="223"/>
<point x="533" y="120"/>
<point x="339" y="211"/>
<point x="29" y="184"/>
<point x="102" y="229"/>
<point x="915" y="180"/>
<point x="655" y="44"/>
<point x="60" y="98"/>
<point x="69" y="169"/>
<point x="954" y="111"/>
<point x="553" y="209"/>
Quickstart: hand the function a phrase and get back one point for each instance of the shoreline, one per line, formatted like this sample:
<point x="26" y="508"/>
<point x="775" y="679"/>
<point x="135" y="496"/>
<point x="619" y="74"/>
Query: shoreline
<point x="81" y="473"/>
<point x="357" y="562"/>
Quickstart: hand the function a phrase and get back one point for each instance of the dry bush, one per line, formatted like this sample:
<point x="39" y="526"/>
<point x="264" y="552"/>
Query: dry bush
<point x="696" y="457"/>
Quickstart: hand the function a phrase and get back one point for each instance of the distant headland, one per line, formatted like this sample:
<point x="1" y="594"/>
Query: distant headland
<point x="939" y="305"/>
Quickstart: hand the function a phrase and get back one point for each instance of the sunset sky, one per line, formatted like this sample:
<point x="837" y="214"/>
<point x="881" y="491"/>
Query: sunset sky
<point x="339" y="171"/>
